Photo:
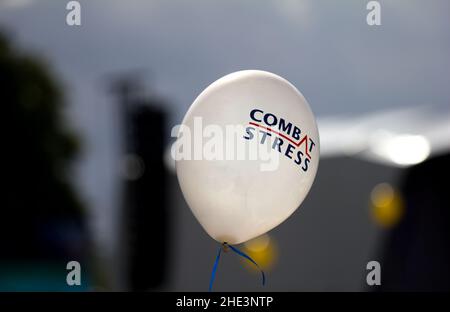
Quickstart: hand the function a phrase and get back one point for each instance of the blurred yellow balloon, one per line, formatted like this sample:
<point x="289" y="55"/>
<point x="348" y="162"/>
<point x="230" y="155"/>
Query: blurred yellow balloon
<point x="263" y="250"/>
<point x="387" y="206"/>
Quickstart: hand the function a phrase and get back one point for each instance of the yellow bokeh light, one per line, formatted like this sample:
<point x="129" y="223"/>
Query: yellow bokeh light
<point x="387" y="207"/>
<point x="261" y="249"/>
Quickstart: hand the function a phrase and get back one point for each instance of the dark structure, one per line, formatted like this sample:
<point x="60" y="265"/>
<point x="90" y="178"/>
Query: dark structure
<point x="145" y="210"/>
<point x="417" y="254"/>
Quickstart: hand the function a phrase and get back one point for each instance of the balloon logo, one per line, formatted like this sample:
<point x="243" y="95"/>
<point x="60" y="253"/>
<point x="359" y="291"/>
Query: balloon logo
<point x="242" y="185"/>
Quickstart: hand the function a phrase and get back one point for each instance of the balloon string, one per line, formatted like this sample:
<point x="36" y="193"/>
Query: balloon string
<point x="213" y="273"/>
<point x="240" y="253"/>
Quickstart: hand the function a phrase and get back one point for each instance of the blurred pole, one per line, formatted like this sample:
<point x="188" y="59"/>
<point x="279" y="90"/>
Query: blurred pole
<point x="144" y="212"/>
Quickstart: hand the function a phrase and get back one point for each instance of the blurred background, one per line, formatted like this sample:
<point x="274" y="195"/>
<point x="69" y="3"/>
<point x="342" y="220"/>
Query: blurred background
<point x="88" y="116"/>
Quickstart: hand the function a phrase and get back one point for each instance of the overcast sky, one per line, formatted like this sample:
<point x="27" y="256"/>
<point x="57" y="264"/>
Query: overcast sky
<point x="324" y="47"/>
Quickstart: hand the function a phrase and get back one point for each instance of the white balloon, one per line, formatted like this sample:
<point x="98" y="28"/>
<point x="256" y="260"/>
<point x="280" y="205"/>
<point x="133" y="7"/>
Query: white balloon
<point x="237" y="200"/>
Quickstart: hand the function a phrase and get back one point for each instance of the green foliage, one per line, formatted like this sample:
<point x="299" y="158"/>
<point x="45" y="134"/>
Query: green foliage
<point x="37" y="144"/>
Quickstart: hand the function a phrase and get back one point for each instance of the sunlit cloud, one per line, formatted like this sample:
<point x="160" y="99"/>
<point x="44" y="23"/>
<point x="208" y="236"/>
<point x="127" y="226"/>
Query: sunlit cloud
<point x="399" y="138"/>
<point x="401" y="149"/>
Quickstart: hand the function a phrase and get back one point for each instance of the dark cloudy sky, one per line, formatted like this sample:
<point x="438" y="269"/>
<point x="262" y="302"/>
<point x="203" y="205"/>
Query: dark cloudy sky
<point x="324" y="47"/>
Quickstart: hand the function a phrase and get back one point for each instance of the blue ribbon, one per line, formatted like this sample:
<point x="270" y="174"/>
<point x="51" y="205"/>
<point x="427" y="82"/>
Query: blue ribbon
<point x="213" y="274"/>
<point x="240" y="253"/>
